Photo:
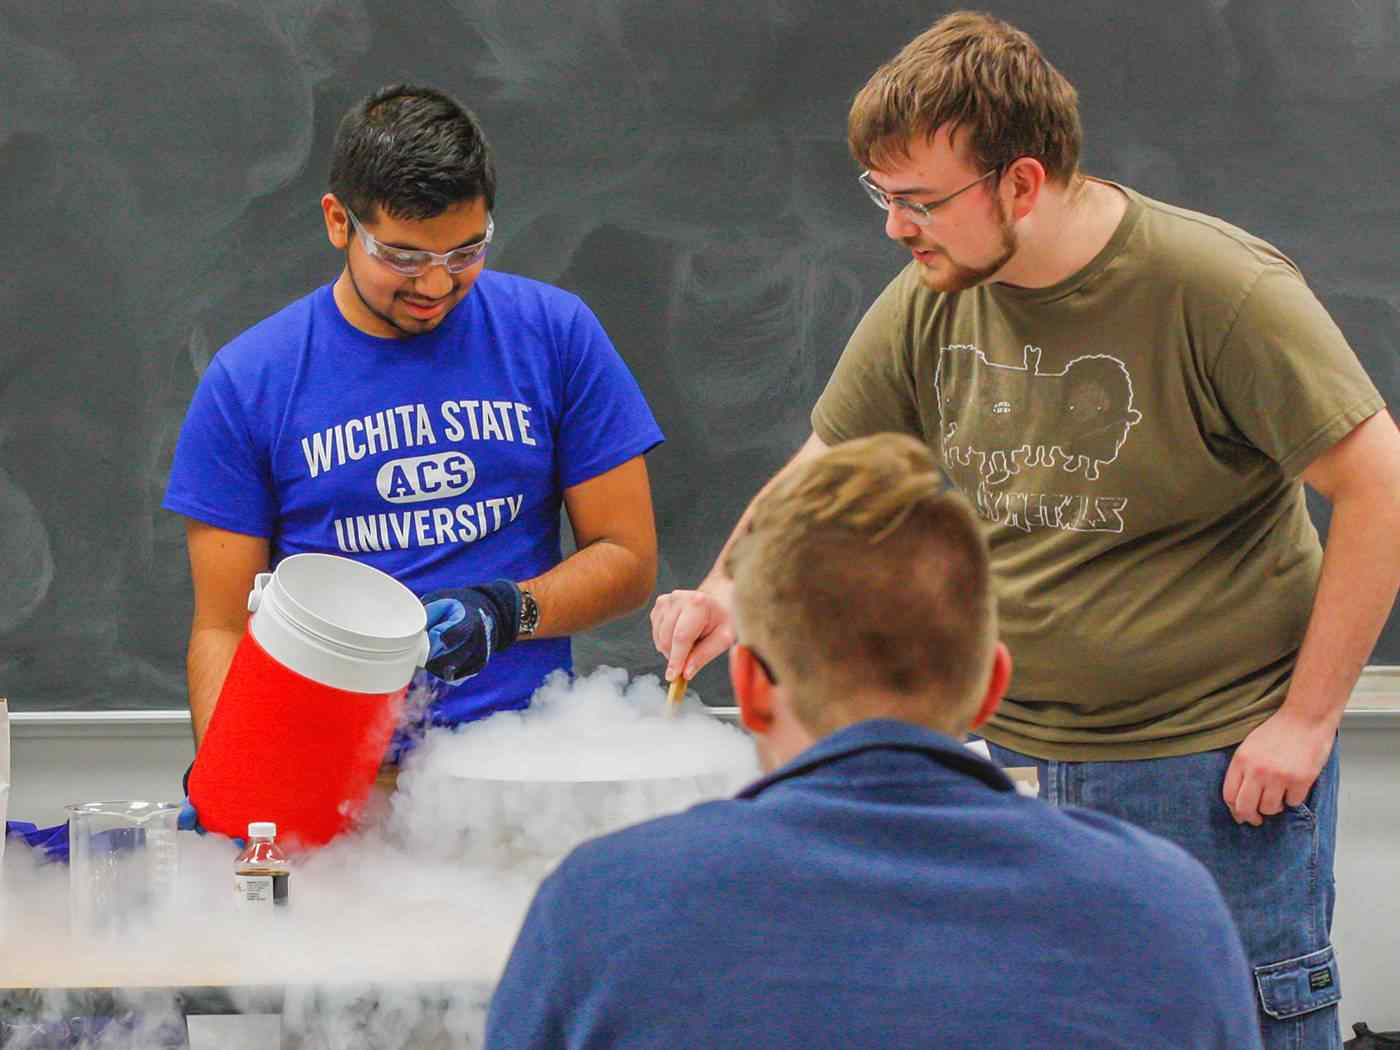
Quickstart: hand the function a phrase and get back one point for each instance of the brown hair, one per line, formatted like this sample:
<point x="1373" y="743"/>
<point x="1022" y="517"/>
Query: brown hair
<point x="972" y="71"/>
<point x="863" y="580"/>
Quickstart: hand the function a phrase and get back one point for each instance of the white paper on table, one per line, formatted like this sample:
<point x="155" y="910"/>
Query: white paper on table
<point x="1026" y="778"/>
<point x="979" y="747"/>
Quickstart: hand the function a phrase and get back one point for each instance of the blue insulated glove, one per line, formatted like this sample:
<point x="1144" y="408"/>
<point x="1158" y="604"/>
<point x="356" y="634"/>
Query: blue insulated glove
<point x="468" y="626"/>
<point x="188" y="820"/>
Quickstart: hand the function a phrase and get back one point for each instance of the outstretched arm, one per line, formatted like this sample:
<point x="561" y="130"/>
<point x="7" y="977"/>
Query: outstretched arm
<point x="691" y="628"/>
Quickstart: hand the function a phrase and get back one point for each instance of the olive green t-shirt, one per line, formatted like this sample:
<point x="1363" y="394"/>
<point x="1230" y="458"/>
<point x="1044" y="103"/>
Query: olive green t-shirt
<point x="1134" y="437"/>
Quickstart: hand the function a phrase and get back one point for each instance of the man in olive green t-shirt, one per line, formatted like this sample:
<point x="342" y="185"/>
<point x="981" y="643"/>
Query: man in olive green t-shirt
<point x="1132" y="395"/>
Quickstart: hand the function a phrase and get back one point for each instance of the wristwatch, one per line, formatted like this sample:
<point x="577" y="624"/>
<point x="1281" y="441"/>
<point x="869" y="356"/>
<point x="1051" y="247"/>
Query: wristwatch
<point x="529" y="614"/>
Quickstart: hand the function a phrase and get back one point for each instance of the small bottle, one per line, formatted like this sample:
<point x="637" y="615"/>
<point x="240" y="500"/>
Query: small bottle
<point x="262" y="870"/>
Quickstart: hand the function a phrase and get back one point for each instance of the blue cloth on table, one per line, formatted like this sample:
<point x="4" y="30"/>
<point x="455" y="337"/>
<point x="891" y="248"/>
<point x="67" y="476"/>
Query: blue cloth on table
<point x="52" y="842"/>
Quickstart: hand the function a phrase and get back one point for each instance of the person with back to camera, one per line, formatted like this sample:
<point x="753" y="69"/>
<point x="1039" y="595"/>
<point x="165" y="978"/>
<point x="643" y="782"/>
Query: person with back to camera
<point x="882" y="886"/>
<point x="1132" y="395"/>
<point x="427" y="416"/>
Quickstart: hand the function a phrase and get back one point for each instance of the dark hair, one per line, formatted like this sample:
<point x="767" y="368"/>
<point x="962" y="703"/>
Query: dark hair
<point x="413" y="151"/>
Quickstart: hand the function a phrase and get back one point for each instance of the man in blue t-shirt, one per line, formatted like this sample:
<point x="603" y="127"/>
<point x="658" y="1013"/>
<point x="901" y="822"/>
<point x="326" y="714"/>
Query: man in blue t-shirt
<point x="428" y="417"/>
<point x="883" y="886"/>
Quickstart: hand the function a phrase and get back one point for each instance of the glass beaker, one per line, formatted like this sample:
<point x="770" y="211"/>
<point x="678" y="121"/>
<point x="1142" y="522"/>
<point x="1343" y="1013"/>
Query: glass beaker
<point x="123" y="860"/>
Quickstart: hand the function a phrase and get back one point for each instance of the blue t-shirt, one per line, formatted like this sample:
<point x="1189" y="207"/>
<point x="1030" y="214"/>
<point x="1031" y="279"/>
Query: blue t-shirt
<point x="887" y="888"/>
<point x="441" y="459"/>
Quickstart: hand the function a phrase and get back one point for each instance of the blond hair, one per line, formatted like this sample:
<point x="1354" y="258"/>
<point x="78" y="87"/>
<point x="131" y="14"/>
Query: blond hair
<point x="971" y="72"/>
<point x="863" y="580"/>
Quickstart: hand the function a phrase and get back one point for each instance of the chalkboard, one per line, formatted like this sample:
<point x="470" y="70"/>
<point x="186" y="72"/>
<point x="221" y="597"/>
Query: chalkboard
<point x="681" y="165"/>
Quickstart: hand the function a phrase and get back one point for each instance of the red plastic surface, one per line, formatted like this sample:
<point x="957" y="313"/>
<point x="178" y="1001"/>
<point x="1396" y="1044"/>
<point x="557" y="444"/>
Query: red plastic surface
<point x="285" y="748"/>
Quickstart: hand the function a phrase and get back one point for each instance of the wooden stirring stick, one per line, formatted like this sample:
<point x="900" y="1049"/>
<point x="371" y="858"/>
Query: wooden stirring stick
<point x="676" y="693"/>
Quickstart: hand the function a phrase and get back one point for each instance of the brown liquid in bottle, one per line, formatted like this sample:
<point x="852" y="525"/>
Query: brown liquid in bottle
<point x="262" y="873"/>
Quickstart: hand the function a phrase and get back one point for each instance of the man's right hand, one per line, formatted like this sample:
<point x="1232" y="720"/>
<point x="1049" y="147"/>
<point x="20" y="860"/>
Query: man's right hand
<point x="691" y="628"/>
<point x="188" y="820"/>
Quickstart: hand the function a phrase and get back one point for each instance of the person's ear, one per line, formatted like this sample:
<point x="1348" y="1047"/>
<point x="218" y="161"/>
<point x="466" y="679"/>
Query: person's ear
<point x="337" y="221"/>
<point x="1021" y="184"/>
<point x="997" y="681"/>
<point x="752" y="689"/>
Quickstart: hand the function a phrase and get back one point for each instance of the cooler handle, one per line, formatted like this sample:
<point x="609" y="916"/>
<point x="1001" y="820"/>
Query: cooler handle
<point x="260" y="581"/>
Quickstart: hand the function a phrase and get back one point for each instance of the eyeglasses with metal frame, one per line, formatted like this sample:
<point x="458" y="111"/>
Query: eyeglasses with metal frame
<point x="918" y="214"/>
<point x="412" y="262"/>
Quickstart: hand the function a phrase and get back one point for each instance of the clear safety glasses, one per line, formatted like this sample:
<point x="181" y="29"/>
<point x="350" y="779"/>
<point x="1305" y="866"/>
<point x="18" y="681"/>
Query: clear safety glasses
<point x="414" y="263"/>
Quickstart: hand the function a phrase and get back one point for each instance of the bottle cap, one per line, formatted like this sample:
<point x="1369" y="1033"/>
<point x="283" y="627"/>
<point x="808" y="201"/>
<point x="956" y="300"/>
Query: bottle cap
<point x="262" y="829"/>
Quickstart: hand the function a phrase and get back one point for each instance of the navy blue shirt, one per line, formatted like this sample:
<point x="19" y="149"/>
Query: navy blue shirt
<point x="887" y="888"/>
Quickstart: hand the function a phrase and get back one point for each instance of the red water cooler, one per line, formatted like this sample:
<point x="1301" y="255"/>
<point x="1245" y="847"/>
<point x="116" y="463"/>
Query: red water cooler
<point x="311" y="699"/>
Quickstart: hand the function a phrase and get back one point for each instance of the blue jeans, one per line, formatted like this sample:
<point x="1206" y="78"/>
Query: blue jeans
<point x="1276" y="879"/>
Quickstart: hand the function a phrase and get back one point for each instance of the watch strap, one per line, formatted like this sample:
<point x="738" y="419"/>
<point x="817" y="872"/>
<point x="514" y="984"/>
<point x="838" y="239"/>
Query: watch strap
<point x="529" y="614"/>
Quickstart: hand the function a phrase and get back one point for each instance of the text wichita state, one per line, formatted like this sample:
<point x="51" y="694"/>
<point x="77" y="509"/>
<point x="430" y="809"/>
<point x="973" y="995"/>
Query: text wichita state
<point x="417" y="477"/>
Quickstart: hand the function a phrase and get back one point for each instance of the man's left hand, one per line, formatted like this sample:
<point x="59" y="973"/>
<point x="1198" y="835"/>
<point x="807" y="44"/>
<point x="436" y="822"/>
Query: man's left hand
<point x="469" y="625"/>
<point x="1275" y="766"/>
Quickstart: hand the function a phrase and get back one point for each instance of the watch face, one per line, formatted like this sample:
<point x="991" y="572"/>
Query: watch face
<point x="529" y="613"/>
